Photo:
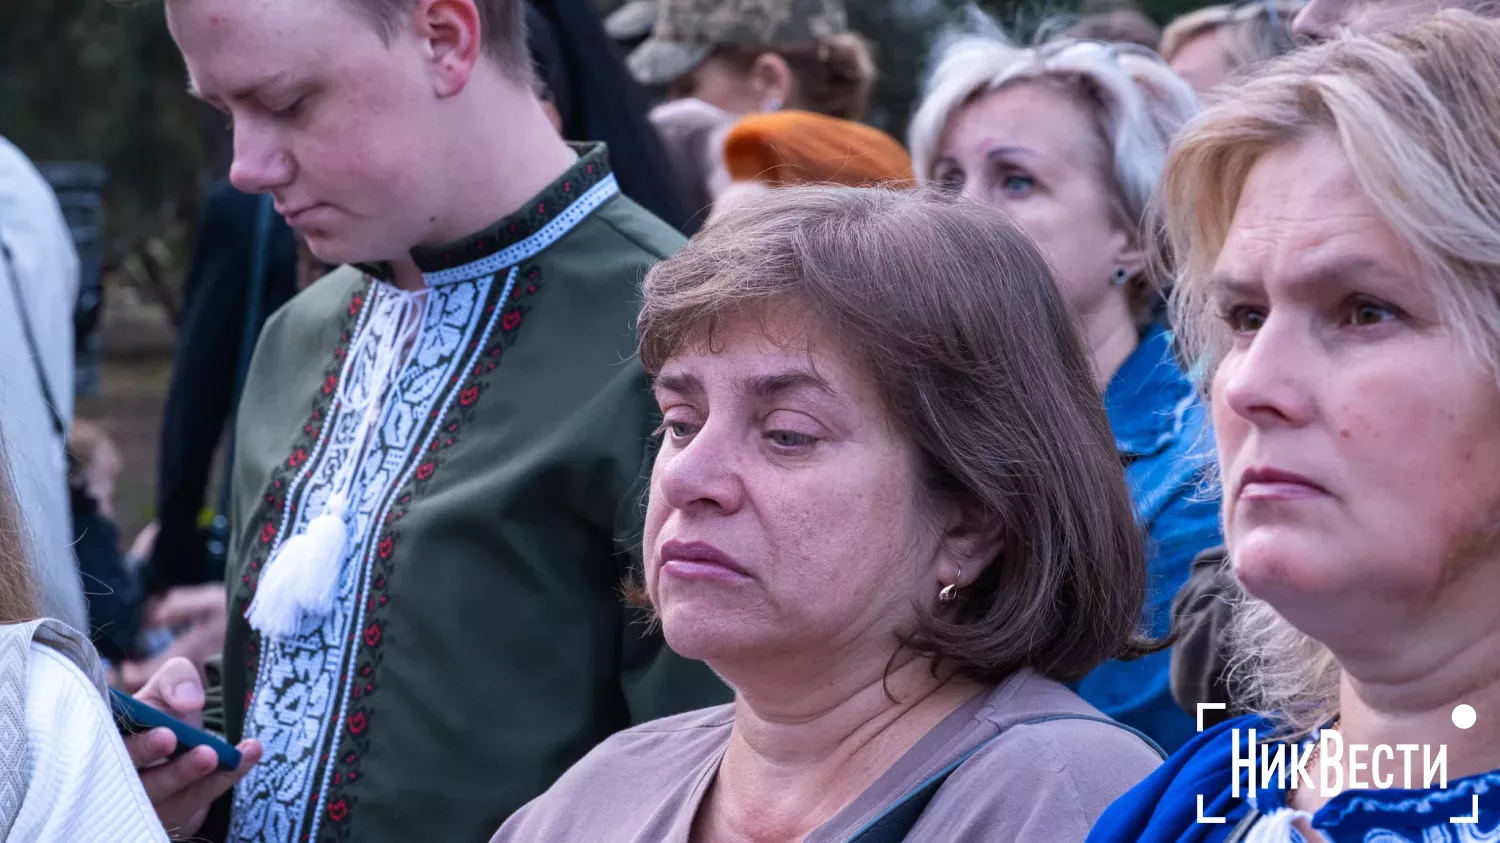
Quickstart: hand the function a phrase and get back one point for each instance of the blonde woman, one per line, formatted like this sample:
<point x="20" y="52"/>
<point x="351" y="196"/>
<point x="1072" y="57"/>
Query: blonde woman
<point x="1338" y="223"/>
<point x="65" y="776"/>
<point x="1209" y="45"/>
<point x="1069" y="139"/>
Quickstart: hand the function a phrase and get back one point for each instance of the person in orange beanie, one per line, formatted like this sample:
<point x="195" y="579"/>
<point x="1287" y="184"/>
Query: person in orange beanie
<point x="788" y="147"/>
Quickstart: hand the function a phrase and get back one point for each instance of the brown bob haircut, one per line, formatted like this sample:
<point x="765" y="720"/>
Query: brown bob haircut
<point x="502" y="22"/>
<point x="980" y="368"/>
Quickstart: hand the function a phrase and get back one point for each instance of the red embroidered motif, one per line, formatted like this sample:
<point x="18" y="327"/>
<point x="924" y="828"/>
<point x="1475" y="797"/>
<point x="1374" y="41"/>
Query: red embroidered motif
<point x="425" y="470"/>
<point x="372" y="635"/>
<point x="267" y="533"/>
<point x="297" y="458"/>
<point x="357" y="722"/>
<point x="387" y="546"/>
<point x="468" y="396"/>
<point x="338" y="811"/>
<point x="510" y="320"/>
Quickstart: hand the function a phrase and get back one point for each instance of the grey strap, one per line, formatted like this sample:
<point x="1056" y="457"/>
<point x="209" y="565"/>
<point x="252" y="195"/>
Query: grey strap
<point x="894" y="823"/>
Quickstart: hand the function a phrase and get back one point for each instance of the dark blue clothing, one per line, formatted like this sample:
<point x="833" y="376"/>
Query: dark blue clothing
<point x="1163" y="435"/>
<point x="1164" y="807"/>
<point x="204" y="366"/>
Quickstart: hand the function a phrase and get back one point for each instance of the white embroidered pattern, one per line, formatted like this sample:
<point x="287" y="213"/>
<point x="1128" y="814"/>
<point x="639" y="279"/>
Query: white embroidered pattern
<point x="297" y="688"/>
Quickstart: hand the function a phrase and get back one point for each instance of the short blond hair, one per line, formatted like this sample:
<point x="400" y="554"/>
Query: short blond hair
<point x="1250" y="33"/>
<point x="1415" y="114"/>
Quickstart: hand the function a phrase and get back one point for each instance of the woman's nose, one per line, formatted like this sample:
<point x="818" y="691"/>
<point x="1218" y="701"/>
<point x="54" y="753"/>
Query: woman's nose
<point x="1270" y="383"/>
<point x="703" y="473"/>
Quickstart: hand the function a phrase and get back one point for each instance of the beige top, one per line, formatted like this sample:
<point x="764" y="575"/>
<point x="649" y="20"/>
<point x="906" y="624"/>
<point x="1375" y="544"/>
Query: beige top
<point x="1037" y="781"/>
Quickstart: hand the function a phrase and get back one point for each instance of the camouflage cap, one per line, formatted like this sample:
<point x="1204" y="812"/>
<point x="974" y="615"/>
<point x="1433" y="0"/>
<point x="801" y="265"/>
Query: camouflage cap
<point x="631" y="21"/>
<point x="687" y="30"/>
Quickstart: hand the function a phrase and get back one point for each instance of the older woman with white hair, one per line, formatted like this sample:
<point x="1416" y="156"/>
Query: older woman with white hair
<point x="1337" y="220"/>
<point x="1070" y="139"/>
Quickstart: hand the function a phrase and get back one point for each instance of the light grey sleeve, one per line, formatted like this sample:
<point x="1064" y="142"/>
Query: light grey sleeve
<point x="1041" y="782"/>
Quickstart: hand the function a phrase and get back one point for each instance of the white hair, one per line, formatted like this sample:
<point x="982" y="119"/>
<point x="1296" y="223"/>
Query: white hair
<point x="1137" y="102"/>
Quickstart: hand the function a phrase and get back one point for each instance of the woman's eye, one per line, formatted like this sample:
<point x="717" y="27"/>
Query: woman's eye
<point x="677" y="431"/>
<point x="790" y="439"/>
<point x="1244" y="319"/>
<point x="951" y="181"/>
<point x="1017" y="185"/>
<point x="1364" y="314"/>
<point x="287" y="112"/>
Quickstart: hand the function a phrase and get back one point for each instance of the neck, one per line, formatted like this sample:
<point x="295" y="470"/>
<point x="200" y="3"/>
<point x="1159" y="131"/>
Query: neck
<point x="1111" y="335"/>
<point x="500" y="151"/>
<point x="1403" y="690"/>
<point x="796" y="759"/>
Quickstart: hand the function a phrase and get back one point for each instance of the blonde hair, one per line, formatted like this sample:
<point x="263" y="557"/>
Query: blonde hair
<point x="1137" y="103"/>
<point x="1250" y="33"/>
<point x="1414" y="113"/>
<point x="18" y="598"/>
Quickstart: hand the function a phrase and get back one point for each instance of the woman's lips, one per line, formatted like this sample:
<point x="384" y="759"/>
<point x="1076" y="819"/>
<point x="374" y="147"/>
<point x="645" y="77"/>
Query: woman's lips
<point x="699" y="561"/>
<point x="1268" y="483"/>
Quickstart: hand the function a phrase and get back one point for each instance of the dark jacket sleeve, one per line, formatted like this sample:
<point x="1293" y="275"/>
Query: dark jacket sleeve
<point x="1200" y="614"/>
<point x="201" y="394"/>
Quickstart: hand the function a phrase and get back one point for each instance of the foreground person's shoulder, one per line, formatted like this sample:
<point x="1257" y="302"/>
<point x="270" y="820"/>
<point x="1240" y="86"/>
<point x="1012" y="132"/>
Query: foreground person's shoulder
<point x="636" y="777"/>
<point x="311" y="309"/>
<point x="1049" y="774"/>
<point x="638" y="229"/>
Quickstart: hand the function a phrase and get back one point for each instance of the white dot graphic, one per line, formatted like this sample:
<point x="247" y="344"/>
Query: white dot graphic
<point x="1464" y="716"/>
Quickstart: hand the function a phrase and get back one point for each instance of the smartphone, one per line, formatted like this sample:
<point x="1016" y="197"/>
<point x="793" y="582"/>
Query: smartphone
<point x="134" y="717"/>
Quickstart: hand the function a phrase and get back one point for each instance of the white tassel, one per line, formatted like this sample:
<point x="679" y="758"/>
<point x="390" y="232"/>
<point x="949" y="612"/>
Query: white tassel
<point x="303" y="577"/>
<point x="1277" y="826"/>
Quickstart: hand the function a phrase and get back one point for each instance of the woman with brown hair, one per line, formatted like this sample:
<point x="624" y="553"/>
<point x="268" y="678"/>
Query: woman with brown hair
<point x="65" y="776"/>
<point x="888" y="512"/>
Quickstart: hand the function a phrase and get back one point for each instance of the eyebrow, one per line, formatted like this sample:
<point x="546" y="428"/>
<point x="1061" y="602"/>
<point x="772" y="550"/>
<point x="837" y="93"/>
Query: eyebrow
<point x="760" y="386"/>
<point x="244" y="92"/>
<point x="997" y="152"/>
<point x="1337" y="269"/>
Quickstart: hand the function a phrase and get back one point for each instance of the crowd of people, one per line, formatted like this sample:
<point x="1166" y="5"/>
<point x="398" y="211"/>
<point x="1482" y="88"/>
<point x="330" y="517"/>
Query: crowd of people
<point x="627" y="444"/>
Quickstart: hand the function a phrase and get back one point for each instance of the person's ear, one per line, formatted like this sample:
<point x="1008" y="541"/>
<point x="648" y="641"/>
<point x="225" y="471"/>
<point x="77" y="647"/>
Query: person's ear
<point x="452" y="41"/>
<point x="971" y="542"/>
<point x="1133" y="258"/>
<point x="771" y="79"/>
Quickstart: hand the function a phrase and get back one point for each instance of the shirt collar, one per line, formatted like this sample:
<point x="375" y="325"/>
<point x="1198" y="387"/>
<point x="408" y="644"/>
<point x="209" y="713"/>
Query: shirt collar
<point x="585" y="186"/>
<point x="1145" y="397"/>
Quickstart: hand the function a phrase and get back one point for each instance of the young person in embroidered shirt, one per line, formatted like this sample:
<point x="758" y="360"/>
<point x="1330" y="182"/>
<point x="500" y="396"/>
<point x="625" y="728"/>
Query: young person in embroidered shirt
<point x="438" y="450"/>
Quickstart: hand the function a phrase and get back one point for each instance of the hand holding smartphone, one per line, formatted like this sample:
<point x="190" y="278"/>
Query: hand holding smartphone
<point x="134" y="717"/>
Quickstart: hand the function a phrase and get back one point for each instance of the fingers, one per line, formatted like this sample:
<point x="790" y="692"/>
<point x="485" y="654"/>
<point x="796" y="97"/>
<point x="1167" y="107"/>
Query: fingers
<point x="150" y="747"/>
<point x="169" y="782"/>
<point x="176" y="689"/>
<point x="183" y="808"/>
<point x="188" y="604"/>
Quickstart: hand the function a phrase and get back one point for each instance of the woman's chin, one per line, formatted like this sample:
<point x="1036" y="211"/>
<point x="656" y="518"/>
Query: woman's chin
<point x="707" y="633"/>
<point x="1283" y="565"/>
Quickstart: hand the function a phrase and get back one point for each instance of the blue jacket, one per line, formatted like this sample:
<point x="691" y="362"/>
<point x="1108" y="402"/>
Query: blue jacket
<point x="1163" y="434"/>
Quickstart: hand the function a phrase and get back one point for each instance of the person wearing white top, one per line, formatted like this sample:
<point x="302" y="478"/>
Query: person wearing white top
<point x="67" y="779"/>
<point x="38" y="290"/>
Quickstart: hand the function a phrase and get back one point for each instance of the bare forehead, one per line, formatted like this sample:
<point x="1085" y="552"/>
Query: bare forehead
<point x="1303" y="214"/>
<point x="236" y="44"/>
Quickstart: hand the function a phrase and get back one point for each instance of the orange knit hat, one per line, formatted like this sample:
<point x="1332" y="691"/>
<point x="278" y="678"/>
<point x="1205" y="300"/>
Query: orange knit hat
<point x="799" y="147"/>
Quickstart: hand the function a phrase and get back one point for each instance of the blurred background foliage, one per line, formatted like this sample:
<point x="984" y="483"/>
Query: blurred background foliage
<point x="100" y="81"/>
